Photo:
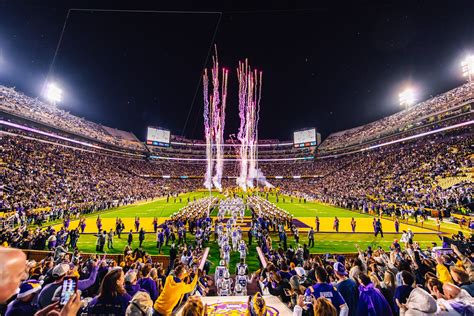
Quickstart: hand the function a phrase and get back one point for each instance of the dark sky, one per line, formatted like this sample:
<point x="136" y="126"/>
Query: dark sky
<point x="326" y="66"/>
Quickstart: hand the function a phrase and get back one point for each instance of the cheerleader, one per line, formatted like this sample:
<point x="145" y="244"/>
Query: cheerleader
<point x="353" y="225"/>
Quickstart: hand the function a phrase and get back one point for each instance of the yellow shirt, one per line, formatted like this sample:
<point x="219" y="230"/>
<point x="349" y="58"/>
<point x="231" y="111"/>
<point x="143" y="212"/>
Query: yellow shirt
<point x="443" y="274"/>
<point x="172" y="293"/>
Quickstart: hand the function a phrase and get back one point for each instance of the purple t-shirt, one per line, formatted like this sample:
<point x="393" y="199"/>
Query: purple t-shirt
<point x="110" y="305"/>
<point x="328" y="291"/>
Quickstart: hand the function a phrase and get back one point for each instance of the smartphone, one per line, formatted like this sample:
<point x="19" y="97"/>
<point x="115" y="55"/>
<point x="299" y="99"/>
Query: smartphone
<point x="308" y="299"/>
<point x="442" y="251"/>
<point x="68" y="290"/>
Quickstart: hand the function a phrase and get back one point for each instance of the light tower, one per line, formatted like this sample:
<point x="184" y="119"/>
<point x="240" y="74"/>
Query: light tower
<point x="407" y="97"/>
<point x="467" y="68"/>
<point x="53" y="93"/>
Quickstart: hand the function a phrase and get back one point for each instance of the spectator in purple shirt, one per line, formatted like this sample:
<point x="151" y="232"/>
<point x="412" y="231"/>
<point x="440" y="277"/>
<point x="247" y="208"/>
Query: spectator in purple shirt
<point x="22" y="305"/>
<point x="371" y="301"/>
<point x="323" y="289"/>
<point x="112" y="298"/>
<point x="147" y="283"/>
<point x="131" y="285"/>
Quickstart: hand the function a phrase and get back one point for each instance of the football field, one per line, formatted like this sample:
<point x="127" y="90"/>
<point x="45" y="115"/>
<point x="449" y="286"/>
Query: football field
<point x="326" y="241"/>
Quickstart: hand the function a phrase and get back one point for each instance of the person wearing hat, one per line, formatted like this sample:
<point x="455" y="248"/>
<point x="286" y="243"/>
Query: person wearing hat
<point x="131" y="285"/>
<point x="22" y="304"/>
<point x="141" y="304"/>
<point x="296" y="289"/>
<point x="347" y="287"/>
<point x="301" y="274"/>
<point x="322" y="288"/>
<point x="46" y="295"/>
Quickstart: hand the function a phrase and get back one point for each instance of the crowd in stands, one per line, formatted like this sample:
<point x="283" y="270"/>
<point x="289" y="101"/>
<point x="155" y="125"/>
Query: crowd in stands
<point x="395" y="281"/>
<point x="399" y="121"/>
<point x="39" y="175"/>
<point x="400" y="280"/>
<point x="403" y="174"/>
<point x="134" y="286"/>
<point x="14" y="102"/>
<point x="41" y="180"/>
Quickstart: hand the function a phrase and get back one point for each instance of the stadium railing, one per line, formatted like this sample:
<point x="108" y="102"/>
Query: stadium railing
<point x="39" y="255"/>
<point x="261" y="257"/>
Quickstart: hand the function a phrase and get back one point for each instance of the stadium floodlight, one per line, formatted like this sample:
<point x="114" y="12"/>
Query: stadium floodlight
<point x="407" y="97"/>
<point x="53" y="93"/>
<point x="467" y="68"/>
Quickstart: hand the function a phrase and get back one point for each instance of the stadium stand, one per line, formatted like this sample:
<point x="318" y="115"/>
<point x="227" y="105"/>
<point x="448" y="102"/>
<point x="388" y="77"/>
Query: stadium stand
<point x="46" y="179"/>
<point x="433" y="109"/>
<point x="16" y="103"/>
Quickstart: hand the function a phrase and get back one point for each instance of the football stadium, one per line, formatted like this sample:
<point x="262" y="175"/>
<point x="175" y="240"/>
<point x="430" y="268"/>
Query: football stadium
<point x="373" y="216"/>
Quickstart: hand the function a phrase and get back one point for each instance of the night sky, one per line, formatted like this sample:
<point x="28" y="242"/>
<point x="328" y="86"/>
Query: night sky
<point x="329" y="67"/>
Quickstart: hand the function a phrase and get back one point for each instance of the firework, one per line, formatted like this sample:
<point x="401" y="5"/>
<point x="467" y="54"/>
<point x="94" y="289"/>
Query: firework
<point x="250" y="91"/>
<point x="214" y="123"/>
<point x="207" y="132"/>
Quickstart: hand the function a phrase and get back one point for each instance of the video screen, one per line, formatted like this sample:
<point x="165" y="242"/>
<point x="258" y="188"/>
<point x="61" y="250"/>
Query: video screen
<point x="158" y="137"/>
<point x="305" y="138"/>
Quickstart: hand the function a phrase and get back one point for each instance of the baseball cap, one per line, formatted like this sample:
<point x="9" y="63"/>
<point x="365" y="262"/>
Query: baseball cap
<point x="300" y="271"/>
<point x="341" y="259"/>
<point x="130" y="276"/>
<point x="60" y="270"/>
<point x="29" y="287"/>
<point x="340" y="269"/>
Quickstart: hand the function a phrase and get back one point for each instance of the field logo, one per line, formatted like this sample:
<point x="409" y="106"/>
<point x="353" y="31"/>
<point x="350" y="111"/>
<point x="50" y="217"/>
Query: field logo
<point x="234" y="309"/>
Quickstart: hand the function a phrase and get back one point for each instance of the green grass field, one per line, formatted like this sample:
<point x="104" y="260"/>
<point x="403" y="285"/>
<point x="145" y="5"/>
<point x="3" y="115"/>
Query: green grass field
<point x="327" y="242"/>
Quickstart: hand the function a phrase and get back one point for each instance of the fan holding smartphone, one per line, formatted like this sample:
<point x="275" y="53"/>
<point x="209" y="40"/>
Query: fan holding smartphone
<point x="68" y="289"/>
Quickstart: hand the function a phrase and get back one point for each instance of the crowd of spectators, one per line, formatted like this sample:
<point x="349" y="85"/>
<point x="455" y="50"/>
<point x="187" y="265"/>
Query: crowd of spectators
<point x="399" y="121"/>
<point x="14" y="102"/>
<point x="38" y="176"/>
<point x="134" y="286"/>
<point x="403" y="174"/>
<point x="395" y="281"/>
<point x="41" y="180"/>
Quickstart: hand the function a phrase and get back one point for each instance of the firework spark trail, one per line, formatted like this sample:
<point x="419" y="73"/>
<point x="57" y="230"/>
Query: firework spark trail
<point x="217" y="180"/>
<point x="215" y="111"/>
<point x="259" y="176"/>
<point x="252" y="173"/>
<point x="207" y="132"/>
<point x="214" y="122"/>
<point x="250" y="91"/>
<point x="242" y="75"/>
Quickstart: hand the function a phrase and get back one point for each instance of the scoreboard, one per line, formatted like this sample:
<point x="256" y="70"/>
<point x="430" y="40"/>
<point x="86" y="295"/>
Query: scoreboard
<point x="158" y="137"/>
<point x="306" y="138"/>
